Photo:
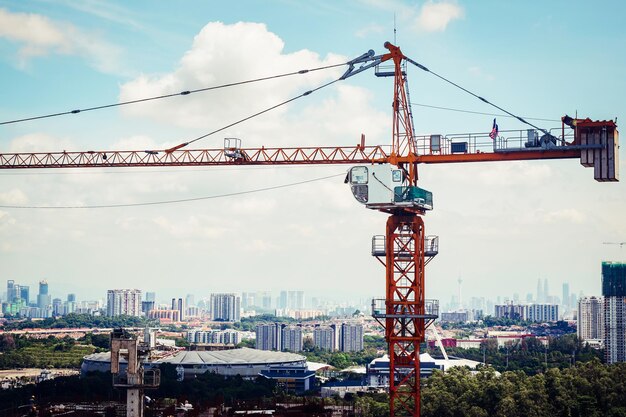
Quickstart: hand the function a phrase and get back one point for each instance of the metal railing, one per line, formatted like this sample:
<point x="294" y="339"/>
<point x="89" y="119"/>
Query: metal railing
<point x="379" y="246"/>
<point x="150" y="378"/>
<point x="506" y="141"/>
<point x="379" y="310"/>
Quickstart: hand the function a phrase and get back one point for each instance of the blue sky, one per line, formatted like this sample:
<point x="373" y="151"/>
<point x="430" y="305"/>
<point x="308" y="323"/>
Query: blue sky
<point x="502" y="225"/>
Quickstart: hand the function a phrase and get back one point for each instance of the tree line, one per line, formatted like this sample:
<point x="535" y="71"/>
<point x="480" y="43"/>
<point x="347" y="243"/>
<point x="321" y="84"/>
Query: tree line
<point x="589" y="389"/>
<point x="19" y="351"/>
<point x="530" y="354"/>
<point x="75" y="320"/>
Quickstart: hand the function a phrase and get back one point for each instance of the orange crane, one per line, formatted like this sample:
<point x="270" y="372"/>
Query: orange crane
<point x="386" y="180"/>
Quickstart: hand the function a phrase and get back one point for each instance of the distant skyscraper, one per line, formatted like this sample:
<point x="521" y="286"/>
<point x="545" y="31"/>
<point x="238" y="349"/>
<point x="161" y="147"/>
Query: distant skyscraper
<point x="300" y="300"/>
<point x="351" y="337"/>
<point x="57" y="307"/>
<point x="123" y="302"/>
<point x="590" y="318"/>
<point x="178" y="305"/>
<point x="565" y="300"/>
<point x="151" y="296"/>
<point x="546" y="293"/>
<point x="291" y="338"/>
<point x="247" y="300"/>
<point x="146" y="306"/>
<point x="190" y="300"/>
<point x="43" y="299"/>
<point x="225" y="307"/>
<point x="614" y="292"/>
<point x="266" y="300"/>
<point x="25" y="293"/>
<point x="282" y="300"/>
<point x="10" y="285"/>
<point x="325" y="337"/>
<point x="268" y="336"/>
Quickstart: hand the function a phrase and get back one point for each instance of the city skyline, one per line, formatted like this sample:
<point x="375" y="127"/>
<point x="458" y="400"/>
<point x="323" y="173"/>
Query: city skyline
<point x="276" y="297"/>
<point x="501" y="225"/>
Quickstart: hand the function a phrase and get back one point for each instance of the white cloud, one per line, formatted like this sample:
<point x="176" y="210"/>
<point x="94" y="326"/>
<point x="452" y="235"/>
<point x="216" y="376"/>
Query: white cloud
<point x="41" y="36"/>
<point x="13" y="197"/>
<point x="259" y="246"/>
<point x="371" y="29"/>
<point x="104" y="10"/>
<point x="435" y="16"/>
<point x="254" y="52"/>
<point x="568" y="215"/>
<point x="190" y="227"/>
<point x="39" y="142"/>
<point x="478" y="72"/>
<point x="254" y="206"/>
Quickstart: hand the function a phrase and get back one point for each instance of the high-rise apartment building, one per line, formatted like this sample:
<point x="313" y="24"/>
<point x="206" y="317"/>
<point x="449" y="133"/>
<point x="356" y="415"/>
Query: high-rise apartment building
<point x="291" y="338"/>
<point x="511" y="311"/>
<point x="268" y="336"/>
<point x="225" y="307"/>
<point x="124" y="302"/>
<point x="590" y="318"/>
<point x="614" y="292"/>
<point x="221" y="337"/>
<point x="543" y="313"/>
<point x="325" y="337"/>
<point x="351" y="337"/>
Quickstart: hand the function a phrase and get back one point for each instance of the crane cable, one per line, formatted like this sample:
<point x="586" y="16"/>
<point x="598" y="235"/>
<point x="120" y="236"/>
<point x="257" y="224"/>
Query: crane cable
<point x="182" y="93"/>
<point x="430" y="106"/>
<point x="306" y="93"/>
<point x="484" y="100"/>
<point x="183" y="200"/>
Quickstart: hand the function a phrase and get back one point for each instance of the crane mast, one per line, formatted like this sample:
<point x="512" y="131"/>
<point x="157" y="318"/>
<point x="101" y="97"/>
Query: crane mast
<point x="386" y="180"/>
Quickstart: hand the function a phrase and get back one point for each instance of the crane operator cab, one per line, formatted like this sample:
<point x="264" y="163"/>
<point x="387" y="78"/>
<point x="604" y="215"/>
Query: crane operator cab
<point x="386" y="187"/>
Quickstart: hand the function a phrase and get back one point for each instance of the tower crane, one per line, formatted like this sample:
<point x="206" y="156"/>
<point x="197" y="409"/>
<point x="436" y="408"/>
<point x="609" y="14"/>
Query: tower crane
<point x="384" y="179"/>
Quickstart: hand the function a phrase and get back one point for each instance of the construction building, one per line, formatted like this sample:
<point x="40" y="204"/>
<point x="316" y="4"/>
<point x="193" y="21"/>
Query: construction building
<point x="614" y="292"/>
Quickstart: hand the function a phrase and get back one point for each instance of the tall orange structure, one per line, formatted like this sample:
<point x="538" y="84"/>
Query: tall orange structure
<point x="385" y="181"/>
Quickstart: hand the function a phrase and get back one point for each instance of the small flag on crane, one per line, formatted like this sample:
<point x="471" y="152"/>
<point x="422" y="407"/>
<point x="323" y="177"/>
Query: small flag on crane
<point x="494" y="130"/>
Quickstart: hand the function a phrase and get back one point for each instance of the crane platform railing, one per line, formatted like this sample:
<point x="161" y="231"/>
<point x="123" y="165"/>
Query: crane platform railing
<point x="379" y="310"/>
<point x="481" y="142"/>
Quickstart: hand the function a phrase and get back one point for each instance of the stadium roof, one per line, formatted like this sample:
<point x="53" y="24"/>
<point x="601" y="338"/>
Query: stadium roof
<point x="241" y="356"/>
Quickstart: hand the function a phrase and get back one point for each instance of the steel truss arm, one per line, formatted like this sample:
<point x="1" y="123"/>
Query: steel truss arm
<point x="200" y="157"/>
